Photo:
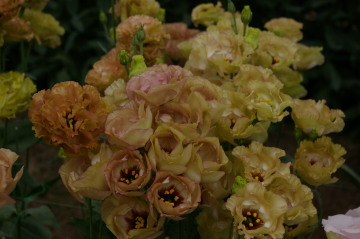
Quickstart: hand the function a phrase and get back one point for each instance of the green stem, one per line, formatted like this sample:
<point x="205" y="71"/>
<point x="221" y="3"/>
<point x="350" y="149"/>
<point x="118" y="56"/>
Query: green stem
<point x="235" y="24"/>
<point x="113" y="19"/>
<point x="5" y="133"/>
<point x="320" y="215"/>
<point x="351" y="173"/>
<point x="141" y="48"/>
<point x="244" y="33"/>
<point x="2" y="59"/>
<point x="100" y="229"/>
<point x="90" y="217"/>
<point x="127" y="70"/>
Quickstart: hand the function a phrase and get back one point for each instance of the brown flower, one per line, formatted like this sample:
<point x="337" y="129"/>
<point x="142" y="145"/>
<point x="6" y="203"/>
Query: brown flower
<point x="129" y="217"/>
<point x="173" y="196"/>
<point x="106" y="71"/>
<point x="17" y="29"/>
<point x="69" y="115"/>
<point x="127" y="172"/>
<point x="7" y="182"/>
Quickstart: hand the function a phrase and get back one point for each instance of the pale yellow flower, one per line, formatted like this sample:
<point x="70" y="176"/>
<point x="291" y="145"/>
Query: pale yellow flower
<point x="127" y="8"/>
<point x="259" y="163"/>
<point x="315" y="162"/>
<point x="285" y="27"/>
<point x="310" y="115"/>
<point x="206" y="14"/>
<point x="257" y="211"/>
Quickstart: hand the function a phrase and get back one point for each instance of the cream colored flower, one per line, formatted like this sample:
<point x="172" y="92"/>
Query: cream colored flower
<point x="285" y="27"/>
<point x="16" y="91"/>
<point x="310" y="115"/>
<point x="115" y="95"/>
<point x="130" y="126"/>
<point x="308" y="57"/>
<point x="259" y="163"/>
<point x="129" y="218"/>
<point x="169" y="150"/>
<point x="7" y="181"/>
<point x="316" y="161"/>
<point x="207" y="159"/>
<point x="257" y="211"/>
<point x="263" y="90"/>
<point x="299" y="218"/>
<point x="83" y="175"/>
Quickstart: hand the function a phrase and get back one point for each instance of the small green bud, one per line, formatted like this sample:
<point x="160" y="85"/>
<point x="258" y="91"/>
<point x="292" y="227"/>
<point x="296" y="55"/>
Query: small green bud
<point x="138" y="65"/>
<point x="246" y="15"/>
<point x="124" y="57"/>
<point x="102" y="17"/>
<point x="61" y="153"/>
<point x="298" y="134"/>
<point x="140" y="34"/>
<point x="112" y="33"/>
<point x="313" y="134"/>
<point x="231" y="7"/>
<point x="239" y="183"/>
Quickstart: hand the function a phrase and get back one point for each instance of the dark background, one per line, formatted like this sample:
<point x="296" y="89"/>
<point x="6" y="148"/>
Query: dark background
<point x="333" y="24"/>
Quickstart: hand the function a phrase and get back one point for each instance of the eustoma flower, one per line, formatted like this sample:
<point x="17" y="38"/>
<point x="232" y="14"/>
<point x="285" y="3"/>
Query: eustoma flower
<point x="7" y="181"/>
<point x="173" y="196"/>
<point x="69" y="115"/>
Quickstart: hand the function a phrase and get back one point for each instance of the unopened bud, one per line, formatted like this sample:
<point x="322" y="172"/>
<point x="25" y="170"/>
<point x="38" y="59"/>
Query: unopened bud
<point x="313" y="134"/>
<point x="140" y="34"/>
<point x="231" y="7"/>
<point x="124" y="57"/>
<point x="239" y="183"/>
<point x="102" y="17"/>
<point x="246" y="15"/>
<point x="161" y="15"/>
<point x="138" y="65"/>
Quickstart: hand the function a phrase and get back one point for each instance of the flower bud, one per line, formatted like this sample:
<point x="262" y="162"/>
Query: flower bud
<point x="102" y="17"/>
<point x="140" y="34"/>
<point x="138" y="65"/>
<point x="124" y="57"/>
<point x="246" y="15"/>
<point x="239" y="183"/>
<point x="231" y="7"/>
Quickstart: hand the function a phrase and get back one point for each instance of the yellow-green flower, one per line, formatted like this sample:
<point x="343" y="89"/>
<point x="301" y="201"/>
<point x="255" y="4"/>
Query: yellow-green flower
<point x="46" y="28"/>
<point x="206" y="14"/>
<point x="316" y="161"/>
<point x="128" y="8"/>
<point x="15" y="96"/>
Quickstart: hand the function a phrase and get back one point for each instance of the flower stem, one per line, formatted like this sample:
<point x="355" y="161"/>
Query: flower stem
<point x="2" y="59"/>
<point x="351" y="173"/>
<point x="4" y="133"/>
<point x="113" y="19"/>
<point x="235" y="24"/>
<point x="90" y="217"/>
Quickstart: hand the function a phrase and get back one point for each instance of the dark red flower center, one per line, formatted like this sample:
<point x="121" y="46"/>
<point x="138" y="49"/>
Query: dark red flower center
<point x="137" y="220"/>
<point x="128" y="175"/>
<point x="170" y="196"/>
<point x="251" y="219"/>
<point x="257" y="175"/>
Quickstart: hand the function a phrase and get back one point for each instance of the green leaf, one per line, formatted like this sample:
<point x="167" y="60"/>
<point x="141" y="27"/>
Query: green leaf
<point x="32" y="229"/>
<point x="332" y="74"/>
<point x="7" y="211"/>
<point x="45" y="216"/>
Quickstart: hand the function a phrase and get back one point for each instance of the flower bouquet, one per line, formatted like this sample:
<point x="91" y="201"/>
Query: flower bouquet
<point x="171" y="131"/>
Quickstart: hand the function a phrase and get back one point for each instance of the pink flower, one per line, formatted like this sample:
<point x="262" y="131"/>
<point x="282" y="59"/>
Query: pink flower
<point x="343" y="226"/>
<point x="158" y="84"/>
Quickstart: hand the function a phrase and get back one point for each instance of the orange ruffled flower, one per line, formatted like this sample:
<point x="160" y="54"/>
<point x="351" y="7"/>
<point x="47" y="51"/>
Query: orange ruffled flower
<point x="69" y="115"/>
<point x="9" y="9"/>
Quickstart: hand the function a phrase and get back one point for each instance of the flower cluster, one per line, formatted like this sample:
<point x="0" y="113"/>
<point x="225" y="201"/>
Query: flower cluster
<point x="33" y="24"/>
<point x="168" y="139"/>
